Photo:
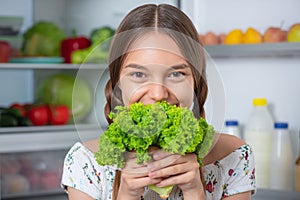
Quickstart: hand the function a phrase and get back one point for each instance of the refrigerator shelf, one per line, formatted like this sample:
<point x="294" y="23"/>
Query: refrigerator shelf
<point x="284" y="49"/>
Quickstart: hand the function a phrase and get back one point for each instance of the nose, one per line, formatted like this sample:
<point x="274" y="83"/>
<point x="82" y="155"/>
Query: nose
<point x="157" y="92"/>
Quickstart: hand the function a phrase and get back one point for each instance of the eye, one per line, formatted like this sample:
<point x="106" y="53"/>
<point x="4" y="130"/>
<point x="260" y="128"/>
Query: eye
<point x="138" y="74"/>
<point x="176" y="74"/>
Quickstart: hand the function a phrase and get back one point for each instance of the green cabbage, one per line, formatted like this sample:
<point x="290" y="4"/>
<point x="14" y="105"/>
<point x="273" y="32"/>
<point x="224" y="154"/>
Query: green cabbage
<point x="42" y="39"/>
<point x="61" y="89"/>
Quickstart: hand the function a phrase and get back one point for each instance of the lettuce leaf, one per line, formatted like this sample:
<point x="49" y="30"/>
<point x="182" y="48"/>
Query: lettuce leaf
<point x="137" y="127"/>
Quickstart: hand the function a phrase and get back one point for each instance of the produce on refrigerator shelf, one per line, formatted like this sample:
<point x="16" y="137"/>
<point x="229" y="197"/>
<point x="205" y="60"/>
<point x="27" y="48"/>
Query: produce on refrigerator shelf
<point x="12" y="116"/>
<point x="274" y="34"/>
<point x="39" y="115"/>
<point x="98" y="51"/>
<point x="222" y="37"/>
<point x="252" y="36"/>
<point x="42" y="39"/>
<point x="294" y="33"/>
<point x="19" y="107"/>
<point x="138" y="127"/>
<point x="234" y="37"/>
<point x="210" y="38"/>
<point x="5" y="51"/>
<point x="99" y="35"/>
<point x="66" y="89"/>
<point x="59" y="114"/>
<point x="71" y="44"/>
<point x="92" y="54"/>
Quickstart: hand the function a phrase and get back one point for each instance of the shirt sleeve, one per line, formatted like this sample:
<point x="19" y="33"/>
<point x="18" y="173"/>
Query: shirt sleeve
<point x="239" y="172"/>
<point x="81" y="172"/>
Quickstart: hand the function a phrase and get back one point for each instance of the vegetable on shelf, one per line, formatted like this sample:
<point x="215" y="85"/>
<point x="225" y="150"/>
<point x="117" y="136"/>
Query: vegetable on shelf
<point x="5" y="51"/>
<point x="66" y="89"/>
<point x="71" y="44"/>
<point x="59" y="114"/>
<point x="13" y="116"/>
<point x="98" y="51"/>
<point x="42" y="39"/>
<point x="39" y="115"/>
<point x="138" y="127"/>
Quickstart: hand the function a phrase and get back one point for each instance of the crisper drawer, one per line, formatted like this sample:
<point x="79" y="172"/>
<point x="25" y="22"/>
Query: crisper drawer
<point x="31" y="174"/>
<point x="31" y="159"/>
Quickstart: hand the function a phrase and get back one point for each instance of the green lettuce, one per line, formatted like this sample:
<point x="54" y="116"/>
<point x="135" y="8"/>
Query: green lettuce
<point x="137" y="127"/>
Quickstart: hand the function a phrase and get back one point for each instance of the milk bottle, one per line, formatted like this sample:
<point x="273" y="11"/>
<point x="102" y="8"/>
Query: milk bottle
<point x="258" y="133"/>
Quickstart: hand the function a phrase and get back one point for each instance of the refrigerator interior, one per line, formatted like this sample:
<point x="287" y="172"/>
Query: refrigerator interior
<point x="243" y="79"/>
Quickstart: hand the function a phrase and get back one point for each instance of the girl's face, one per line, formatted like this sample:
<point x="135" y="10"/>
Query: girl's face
<point x="155" y="70"/>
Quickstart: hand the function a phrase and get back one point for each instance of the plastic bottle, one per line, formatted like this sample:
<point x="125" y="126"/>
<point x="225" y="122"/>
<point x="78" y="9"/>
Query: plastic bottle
<point x="258" y="133"/>
<point x="297" y="172"/>
<point x="281" y="161"/>
<point x="232" y="128"/>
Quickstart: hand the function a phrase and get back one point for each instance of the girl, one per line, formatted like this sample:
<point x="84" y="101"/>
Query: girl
<point x="156" y="55"/>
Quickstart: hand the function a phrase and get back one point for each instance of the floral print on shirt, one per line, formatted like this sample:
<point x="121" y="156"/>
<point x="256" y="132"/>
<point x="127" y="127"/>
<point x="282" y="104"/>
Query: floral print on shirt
<point x="225" y="177"/>
<point x="232" y="175"/>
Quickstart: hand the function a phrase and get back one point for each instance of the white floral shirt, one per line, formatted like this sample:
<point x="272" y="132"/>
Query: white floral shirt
<point x="231" y="175"/>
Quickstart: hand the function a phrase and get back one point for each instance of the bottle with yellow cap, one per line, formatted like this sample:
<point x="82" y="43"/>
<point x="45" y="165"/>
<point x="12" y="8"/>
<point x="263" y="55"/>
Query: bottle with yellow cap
<point x="258" y="133"/>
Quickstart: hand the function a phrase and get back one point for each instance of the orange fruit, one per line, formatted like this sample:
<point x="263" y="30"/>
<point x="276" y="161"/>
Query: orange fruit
<point x="234" y="37"/>
<point x="252" y="36"/>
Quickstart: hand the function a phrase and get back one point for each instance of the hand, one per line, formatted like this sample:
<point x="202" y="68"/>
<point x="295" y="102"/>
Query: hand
<point x="134" y="178"/>
<point x="175" y="169"/>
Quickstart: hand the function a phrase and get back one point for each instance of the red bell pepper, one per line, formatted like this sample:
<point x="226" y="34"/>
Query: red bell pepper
<point x="5" y="51"/>
<point x="71" y="44"/>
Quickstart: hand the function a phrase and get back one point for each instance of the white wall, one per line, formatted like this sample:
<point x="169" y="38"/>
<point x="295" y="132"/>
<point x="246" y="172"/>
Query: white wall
<point x="223" y="16"/>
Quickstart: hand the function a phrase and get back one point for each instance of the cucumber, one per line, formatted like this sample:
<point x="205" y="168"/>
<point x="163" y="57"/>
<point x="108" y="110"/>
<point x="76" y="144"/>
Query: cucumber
<point x="24" y="121"/>
<point x="8" y="120"/>
<point x="12" y="111"/>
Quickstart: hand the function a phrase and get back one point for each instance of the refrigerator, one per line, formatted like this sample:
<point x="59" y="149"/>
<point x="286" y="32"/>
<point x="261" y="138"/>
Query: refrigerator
<point x="31" y="158"/>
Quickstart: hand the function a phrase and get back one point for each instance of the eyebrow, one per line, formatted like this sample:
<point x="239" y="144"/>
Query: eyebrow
<point x="175" y="67"/>
<point x="135" y="66"/>
<point x="181" y="66"/>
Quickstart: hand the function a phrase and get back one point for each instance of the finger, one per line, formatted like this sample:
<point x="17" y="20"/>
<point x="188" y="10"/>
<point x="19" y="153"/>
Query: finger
<point x="179" y="168"/>
<point x="159" y="154"/>
<point x="132" y="163"/>
<point x="130" y="155"/>
<point x="179" y="179"/>
<point x="137" y="172"/>
<point x="142" y="182"/>
<point x="162" y="163"/>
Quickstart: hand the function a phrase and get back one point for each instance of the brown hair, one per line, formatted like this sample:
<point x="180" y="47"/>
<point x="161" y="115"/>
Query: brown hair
<point x="171" y="21"/>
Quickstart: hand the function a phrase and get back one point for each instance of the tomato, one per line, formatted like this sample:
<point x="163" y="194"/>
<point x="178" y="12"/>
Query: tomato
<point x="59" y="114"/>
<point x="19" y="107"/>
<point x="39" y="115"/>
<point x="5" y="51"/>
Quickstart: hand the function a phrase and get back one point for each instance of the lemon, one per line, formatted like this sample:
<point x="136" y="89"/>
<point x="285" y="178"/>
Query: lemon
<point x="234" y="37"/>
<point x="252" y="36"/>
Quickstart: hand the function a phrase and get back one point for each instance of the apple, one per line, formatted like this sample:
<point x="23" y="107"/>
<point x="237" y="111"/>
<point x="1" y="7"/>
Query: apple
<point x="222" y="37"/>
<point x="293" y="34"/>
<point x="274" y="34"/>
<point x="5" y="51"/>
<point x="210" y="38"/>
<point x="201" y="37"/>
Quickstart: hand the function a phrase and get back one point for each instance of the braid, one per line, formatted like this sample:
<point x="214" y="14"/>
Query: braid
<point x="108" y="95"/>
<point x="116" y="185"/>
